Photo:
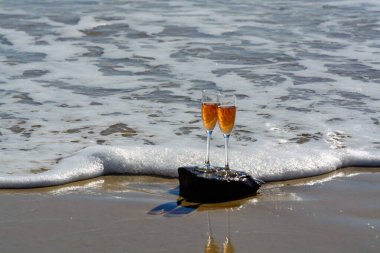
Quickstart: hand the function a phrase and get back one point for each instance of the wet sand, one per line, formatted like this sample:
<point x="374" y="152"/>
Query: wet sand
<point x="338" y="212"/>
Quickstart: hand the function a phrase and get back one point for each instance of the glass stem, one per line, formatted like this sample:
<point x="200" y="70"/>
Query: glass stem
<point x="207" y="160"/>
<point x="226" y="139"/>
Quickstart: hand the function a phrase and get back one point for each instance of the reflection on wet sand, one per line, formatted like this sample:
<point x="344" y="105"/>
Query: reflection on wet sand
<point x="227" y="244"/>
<point x="212" y="245"/>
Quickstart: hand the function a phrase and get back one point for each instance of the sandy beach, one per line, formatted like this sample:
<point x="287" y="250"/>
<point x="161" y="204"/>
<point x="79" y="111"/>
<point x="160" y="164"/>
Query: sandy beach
<point x="338" y="212"/>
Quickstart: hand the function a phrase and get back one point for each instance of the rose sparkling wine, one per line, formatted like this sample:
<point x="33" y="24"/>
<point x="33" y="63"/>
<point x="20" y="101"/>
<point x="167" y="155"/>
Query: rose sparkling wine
<point x="209" y="115"/>
<point x="209" y="111"/>
<point x="226" y="117"/>
<point x="226" y="120"/>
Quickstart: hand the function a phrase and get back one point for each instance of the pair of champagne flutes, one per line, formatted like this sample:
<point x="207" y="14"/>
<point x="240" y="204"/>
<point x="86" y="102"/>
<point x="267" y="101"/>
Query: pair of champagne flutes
<point x="221" y="108"/>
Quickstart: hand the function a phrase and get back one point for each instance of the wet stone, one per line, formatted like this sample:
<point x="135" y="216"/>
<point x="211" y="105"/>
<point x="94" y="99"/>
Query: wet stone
<point x="197" y="186"/>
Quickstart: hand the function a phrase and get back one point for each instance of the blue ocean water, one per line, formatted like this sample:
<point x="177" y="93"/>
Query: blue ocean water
<point x="100" y="87"/>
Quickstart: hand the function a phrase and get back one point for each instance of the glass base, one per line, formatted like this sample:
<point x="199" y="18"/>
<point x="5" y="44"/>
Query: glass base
<point x="222" y="172"/>
<point x="206" y="168"/>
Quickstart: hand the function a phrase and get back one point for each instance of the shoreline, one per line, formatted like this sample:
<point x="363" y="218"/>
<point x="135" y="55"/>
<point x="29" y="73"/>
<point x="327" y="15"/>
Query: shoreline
<point x="336" y="212"/>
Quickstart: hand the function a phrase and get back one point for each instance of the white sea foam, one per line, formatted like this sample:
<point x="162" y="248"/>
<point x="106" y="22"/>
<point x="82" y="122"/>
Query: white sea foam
<point x="268" y="165"/>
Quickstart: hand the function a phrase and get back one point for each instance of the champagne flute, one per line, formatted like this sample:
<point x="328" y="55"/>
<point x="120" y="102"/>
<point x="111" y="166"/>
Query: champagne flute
<point x="209" y="107"/>
<point x="226" y="120"/>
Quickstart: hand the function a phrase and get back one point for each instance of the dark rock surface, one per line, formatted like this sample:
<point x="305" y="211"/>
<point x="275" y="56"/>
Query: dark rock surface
<point x="197" y="186"/>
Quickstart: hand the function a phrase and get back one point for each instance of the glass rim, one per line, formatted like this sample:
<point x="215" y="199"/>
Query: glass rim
<point x="227" y="99"/>
<point x="227" y="95"/>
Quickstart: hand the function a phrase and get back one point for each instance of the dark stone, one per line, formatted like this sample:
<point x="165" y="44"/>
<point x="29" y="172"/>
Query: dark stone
<point x="196" y="186"/>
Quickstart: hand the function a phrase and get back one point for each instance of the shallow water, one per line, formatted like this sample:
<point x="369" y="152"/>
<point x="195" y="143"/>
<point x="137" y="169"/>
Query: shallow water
<point x="122" y="80"/>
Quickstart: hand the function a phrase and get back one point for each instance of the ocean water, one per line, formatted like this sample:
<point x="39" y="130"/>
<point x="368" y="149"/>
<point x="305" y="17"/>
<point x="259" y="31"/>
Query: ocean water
<point x="94" y="87"/>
